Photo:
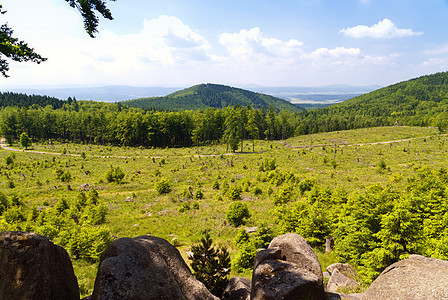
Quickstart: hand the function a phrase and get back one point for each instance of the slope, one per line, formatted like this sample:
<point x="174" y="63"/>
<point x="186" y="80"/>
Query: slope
<point x="421" y="101"/>
<point x="207" y="95"/>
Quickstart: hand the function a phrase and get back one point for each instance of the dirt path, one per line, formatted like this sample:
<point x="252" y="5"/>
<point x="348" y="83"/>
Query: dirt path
<point x="354" y="145"/>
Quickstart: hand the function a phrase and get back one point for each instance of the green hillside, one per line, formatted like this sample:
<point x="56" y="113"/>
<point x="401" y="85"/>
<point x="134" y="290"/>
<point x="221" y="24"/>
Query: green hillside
<point x="207" y="95"/>
<point x="420" y="101"/>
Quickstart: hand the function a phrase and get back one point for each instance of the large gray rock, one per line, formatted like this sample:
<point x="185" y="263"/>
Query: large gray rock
<point x="32" y="267"/>
<point x="342" y="276"/>
<point x="238" y="288"/>
<point x="145" y="267"/>
<point x="288" y="269"/>
<point x="338" y="281"/>
<point x="416" y="278"/>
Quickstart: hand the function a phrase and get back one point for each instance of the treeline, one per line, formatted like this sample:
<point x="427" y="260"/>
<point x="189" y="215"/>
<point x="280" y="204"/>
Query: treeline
<point x="108" y="123"/>
<point x="23" y="100"/>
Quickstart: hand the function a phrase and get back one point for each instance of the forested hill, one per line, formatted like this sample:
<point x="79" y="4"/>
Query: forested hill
<point x="23" y="100"/>
<point x="212" y="95"/>
<point x="420" y="101"/>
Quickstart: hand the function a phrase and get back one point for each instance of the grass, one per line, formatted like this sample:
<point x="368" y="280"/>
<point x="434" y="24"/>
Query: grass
<point x="353" y="164"/>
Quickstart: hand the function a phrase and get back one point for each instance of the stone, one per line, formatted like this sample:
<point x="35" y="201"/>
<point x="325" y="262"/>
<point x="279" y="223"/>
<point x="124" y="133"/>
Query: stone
<point x="238" y="288"/>
<point x="32" y="267"/>
<point x="145" y="267"/>
<point x="288" y="269"/>
<point x="338" y="281"/>
<point x="417" y="278"/>
<point x="295" y="249"/>
<point x="346" y="269"/>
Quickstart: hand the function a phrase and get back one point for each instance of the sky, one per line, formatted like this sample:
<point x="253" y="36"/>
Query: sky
<point x="233" y="42"/>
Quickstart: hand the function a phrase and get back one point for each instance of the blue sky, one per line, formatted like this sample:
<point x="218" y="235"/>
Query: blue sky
<point x="268" y="43"/>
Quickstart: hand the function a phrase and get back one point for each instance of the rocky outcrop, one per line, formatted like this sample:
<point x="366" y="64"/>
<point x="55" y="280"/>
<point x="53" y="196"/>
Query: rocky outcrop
<point x="238" y="288"/>
<point x="145" y="267"/>
<point x="416" y="278"/>
<point x="32" y="267"/>
<point x="288" y="269"/>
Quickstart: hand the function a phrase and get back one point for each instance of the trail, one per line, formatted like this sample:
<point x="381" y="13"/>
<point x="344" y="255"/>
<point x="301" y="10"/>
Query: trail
<point x="345" y="143"/>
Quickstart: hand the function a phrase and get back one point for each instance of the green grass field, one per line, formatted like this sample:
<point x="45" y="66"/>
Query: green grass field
<point x="349" y="160"/>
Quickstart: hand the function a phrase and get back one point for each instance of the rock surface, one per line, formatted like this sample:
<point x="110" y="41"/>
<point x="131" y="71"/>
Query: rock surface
<point x="288" y="269"/>
<point x="338" y="281"/>
<point x="342" y="276"/>
<point x="238" y="288"/>
<point x="32" y="267"/>
<point x="416" y="278"/>
<point x="145" y="267"/>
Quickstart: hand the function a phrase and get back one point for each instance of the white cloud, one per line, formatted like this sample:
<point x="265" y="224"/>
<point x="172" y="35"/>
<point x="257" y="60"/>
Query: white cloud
<point x="251" y="45"/>
<point x="341" y="57"/>
<point x="383" y="29"/>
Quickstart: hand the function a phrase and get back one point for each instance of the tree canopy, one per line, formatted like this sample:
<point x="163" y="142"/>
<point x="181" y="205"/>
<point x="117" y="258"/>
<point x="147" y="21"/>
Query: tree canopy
<point x="17" y="50"/>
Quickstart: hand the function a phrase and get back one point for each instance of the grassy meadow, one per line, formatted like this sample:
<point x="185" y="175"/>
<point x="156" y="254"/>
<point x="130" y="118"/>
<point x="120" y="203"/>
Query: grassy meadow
<point x="350" y="160"/>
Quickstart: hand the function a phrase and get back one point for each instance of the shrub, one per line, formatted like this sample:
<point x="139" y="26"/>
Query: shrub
<point x="184" y="207"/>
<point x="245" y="258"/>
<point x="89" y="242"/>
<point x="163" y="186"/>
<point x="257" y="191"/>
<point x="4" y="203"/>
<point x="115" y="174"/>
<point x="211" y="266"/>
<point x="237" y="213"/>
<point x="199" y="194"/>
<point x="234" y="193"/>
<point x="195" y="205"/>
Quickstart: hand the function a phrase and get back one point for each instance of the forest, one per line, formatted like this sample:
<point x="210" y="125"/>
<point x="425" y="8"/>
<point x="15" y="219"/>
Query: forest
<point x="418" y="102"/>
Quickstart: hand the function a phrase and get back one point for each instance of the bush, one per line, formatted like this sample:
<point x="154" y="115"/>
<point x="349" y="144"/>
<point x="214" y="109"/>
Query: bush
<point x="237" y="213"/>
<point x="257" y="191"/>
<point x="245" y="258"/>
<point x="63" y="175"/>
<point x="163" y="187"/>
<point x="89" y="242"/>
<point x="199" y="194"/>
<point x="184" y="207"/>
<point x="234" y="193"/>
<point x="211" y="266"/>
<point x="115" y="174"/>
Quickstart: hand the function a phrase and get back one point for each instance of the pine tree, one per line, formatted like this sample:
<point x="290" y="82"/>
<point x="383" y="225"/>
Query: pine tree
<point x="211" y="266"/>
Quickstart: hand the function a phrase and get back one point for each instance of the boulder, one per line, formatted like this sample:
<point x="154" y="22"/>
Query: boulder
<point x="32" y="267"/>
<point x="338" y="281"/>
<point x="238" y="288"/>
<point x="416" y="277"/>
<point x="145" y="267"/>
<point x="345" y="269"/>
<point x="288" y="269"/>
<point x="342" y="276"/>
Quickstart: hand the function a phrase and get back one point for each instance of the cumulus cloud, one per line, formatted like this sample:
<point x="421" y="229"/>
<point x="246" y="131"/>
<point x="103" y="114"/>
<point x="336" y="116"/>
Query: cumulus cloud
<point x="383" y="29"/>
<point x="165" y="40"/>
<point x="341" y="57"/>
<point x="251" y="45"/>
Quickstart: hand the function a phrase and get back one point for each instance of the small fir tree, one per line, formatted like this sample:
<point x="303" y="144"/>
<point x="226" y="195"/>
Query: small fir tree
<point x="211" y="266"/>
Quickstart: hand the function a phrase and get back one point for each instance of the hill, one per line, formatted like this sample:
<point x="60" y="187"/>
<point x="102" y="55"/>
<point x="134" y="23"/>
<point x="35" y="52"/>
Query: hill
<point x="207" y="95"/>
<point x="421" y="101"/>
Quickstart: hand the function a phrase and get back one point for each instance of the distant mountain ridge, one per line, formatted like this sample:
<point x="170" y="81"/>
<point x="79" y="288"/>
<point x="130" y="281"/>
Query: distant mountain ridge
<point x="207" y="95"/>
